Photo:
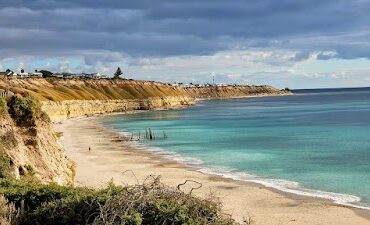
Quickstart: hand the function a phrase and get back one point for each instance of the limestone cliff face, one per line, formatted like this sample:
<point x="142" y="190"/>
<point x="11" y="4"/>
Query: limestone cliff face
<point x="233" y="92"/>
<point x="61" y="110"/>
<point x="69" y="98"/>
<point x="62" y="99"/>
<point x="29" y="148"/>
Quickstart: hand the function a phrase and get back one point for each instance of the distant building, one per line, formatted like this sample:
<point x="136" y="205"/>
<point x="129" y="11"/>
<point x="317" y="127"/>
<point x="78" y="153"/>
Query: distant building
<point x="8" y="74"/>
<point x="69" y="76"/>
<point x="95" y="75"/>
<point x="35" y="74"/>
<point x="92" y="75"/>
<point x="57" y="75"/>
<point x="22" y="74"/>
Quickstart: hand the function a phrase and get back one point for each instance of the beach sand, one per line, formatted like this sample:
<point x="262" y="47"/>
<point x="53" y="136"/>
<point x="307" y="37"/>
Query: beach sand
<point x="110" y="157"/>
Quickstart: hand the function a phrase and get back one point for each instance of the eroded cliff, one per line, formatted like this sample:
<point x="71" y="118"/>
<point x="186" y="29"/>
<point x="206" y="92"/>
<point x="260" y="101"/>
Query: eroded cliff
<point x="61" y="110"/>
<point x="62" y="99"/>
<point x="233" y="92"/>
<point x="28" y="145"/>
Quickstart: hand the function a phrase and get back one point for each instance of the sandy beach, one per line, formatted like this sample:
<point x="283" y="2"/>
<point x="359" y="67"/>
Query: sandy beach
<point x="110" y="157"/>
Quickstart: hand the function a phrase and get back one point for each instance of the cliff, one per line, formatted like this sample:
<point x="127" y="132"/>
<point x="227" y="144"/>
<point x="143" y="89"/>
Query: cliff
<point x="28" y="146"/>
<point x="89" y="89"/>
<point x="62" y="99"/>
<point x="61" y="110"/>
<point x="233" y="92"/>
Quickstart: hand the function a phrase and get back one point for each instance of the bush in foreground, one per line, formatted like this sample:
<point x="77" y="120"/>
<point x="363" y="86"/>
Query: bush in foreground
<point x="150" y="203"/>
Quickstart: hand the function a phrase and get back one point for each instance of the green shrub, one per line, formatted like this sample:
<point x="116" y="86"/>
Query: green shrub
<point x="25" y="110"/>
<point x="152" y="203"/>
<point x="32" y="194"/>
<point x="5" y="164"/>
<point x="30" y="170"/>
<point x="132" y="218"/>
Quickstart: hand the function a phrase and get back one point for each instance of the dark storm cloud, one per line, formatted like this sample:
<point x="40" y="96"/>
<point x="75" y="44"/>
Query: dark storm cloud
<point x="180" y="27"/>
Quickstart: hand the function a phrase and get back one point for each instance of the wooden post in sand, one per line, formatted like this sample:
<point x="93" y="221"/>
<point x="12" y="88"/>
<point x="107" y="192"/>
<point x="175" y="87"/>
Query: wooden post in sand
<point x="150" y="134"/>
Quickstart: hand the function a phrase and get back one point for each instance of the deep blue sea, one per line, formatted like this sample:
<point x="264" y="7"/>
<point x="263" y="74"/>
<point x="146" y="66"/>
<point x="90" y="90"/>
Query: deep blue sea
<point x="316" y="142"/>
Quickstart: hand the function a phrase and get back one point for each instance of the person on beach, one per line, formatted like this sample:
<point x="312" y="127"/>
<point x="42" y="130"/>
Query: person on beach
<point x="89" y="148"/>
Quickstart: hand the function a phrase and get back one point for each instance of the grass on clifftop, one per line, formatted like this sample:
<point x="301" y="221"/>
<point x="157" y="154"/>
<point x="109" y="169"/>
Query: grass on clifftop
<point x="3" y="107"/>
<point x="151" y="203"/>
<point x="85" y="89"/>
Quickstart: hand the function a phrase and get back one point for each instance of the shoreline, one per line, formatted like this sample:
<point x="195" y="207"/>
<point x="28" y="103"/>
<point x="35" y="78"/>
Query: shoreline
<point x="188" y="163"/>
<point x="268" y="202"/>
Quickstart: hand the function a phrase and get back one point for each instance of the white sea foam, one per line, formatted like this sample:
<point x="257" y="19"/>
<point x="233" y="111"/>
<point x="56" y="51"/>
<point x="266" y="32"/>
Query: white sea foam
<point x="278" y="184"/>
<point x="190" y="161"/>
<point x="286" y="186"/>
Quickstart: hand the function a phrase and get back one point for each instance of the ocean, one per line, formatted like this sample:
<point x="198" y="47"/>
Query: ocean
<point x="315" y="143"/>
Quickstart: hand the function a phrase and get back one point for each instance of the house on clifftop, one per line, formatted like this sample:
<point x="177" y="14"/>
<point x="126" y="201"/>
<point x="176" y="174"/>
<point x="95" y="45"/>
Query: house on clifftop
<point x="8" y="74"/>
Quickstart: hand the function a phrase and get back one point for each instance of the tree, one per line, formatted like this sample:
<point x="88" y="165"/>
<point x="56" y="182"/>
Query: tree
<point x="117" y="74"/>
<point x="46" y="73"/>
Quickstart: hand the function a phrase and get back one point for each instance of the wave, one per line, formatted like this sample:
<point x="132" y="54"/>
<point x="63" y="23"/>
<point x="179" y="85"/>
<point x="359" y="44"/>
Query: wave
<point x="286" y="186"/>
<point x="278" y="184"/>
<point x="189" y="161"/>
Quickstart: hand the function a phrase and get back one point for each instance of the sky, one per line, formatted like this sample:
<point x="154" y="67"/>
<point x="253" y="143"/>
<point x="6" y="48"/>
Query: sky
<point x="285" y="43"/>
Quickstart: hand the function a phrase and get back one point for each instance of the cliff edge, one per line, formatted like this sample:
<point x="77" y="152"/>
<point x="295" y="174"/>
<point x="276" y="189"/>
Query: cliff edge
<point x="62" y="99"/>
<point x="222" y="92"/>
<point x="28" y="145"/>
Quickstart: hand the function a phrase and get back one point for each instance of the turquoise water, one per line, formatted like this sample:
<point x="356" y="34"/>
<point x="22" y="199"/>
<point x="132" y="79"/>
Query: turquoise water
<point x="313" y="143"/>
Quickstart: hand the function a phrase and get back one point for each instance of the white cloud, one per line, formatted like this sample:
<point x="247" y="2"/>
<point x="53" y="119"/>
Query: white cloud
<point x="254" y="66"/>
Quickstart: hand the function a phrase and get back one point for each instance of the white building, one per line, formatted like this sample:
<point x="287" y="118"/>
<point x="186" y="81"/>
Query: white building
<point x="35" y="74"/>
<point x="23" y="74"/>
<point x="57" y="75"/>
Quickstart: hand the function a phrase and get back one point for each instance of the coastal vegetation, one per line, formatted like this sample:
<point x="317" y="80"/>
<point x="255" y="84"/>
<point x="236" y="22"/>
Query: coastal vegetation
<point x="53" y="89"/>
<point x="3" y="107"/>
<point x="29" y="196"/>
<point x="32" y="203"/>
<point x="118" y="73"/>
<point x="36" y="177"/>
<point x="25" y="110"/>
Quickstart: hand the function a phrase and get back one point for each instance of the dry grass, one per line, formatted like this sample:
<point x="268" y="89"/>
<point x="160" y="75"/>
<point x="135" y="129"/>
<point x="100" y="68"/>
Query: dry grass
<point x="77" y="89"/>
<point x="7" y="211"/>
<point x="154" y="203"/>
